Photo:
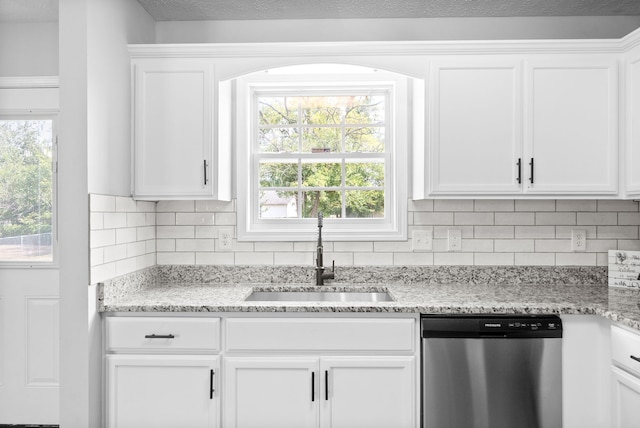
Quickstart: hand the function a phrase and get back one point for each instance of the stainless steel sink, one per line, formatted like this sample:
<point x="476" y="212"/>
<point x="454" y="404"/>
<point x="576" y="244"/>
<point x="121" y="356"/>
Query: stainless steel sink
<point x="319" y="296"/>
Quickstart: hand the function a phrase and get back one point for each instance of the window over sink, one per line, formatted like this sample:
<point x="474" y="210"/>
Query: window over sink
<point x="327" y="139"/>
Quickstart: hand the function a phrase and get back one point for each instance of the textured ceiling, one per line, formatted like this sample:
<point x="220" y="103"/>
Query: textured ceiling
<point x="188" y="10"/>
<point x="28" y="10"/>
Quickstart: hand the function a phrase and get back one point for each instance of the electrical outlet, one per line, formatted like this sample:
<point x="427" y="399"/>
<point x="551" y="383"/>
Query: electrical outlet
<point x="455" y="239"/>
<point x="225" y="239"/>
<point x="422" y="240"/>
<point x="579" y="240"/>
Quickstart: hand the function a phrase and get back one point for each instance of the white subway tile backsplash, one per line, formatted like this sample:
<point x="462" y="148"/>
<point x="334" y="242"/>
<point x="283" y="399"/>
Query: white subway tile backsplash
<point x="493" y="259"/>
<point x="294" y="258"/>
<point x="125" y="205"/>
<point x="373" y="259"/>
<point x="215" y="258"/>
<point x="515" y="219"/>
<point x="114" y="220"/>
<point x="195" y="219"/>
<point x="175" y="232"/>
<point x="514" y="245"/>
<point x="225" y="219"/>
<point x="452" y="259"/>
<point x="576" y="205"/>
<point x="576" y="259"/>
<point x="176" y="258"/>
<point x="497" y="232"/>
<point x="535" y="259"/>
<point x="413" y="259"/>
<point x="129" y="235"/>
<point x="175" y="206"/>
<point x="432" y="218"/>
<point x="629" y="219"/>
<point x="455" y="205"/>
<point x="102" y="203"/>
<point x="617" y="205"/>
<point x="497" y="205"/>
<point x="535" y="205"/>
<point x="562" y="218"/>
<point x="599" y="218"/>
<point x="125" y="235"/>
<point x="617" y="232"/>
<point x="535" y="232"/>
<point x="420" y="205"/>
<point x="475" y="218"/>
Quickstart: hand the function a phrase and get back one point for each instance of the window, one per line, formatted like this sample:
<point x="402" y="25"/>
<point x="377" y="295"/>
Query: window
<point x="330" y="144"/>
<point x="27" y="183"/>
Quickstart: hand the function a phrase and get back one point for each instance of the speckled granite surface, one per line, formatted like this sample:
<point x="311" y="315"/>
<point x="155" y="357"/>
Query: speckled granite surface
<point x="423" y="290"/>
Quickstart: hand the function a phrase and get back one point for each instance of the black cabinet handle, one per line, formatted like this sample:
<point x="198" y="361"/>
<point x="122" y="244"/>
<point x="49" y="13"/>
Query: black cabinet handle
<point x="519" y="170"/>
<point x="159" y="336"/>
<point x="313" y="386"/>
<point x="206" y="180"/>
<point x="635" y="358"/>
<point x="211" y="388"/>
<point x="326" y="384"/>
<point x="531" y="177"/>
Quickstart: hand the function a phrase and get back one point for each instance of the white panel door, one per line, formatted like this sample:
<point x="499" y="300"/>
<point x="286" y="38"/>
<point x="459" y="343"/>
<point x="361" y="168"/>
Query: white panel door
<point x="271" y="392"/>
<point x="173" y="128"/>
<point x="632" y="116"/>
<point x="571" y="124"/>
<point x="372" y="392"/>
<point x="476" y="126"/>
<point x="160" y="391"/>
<point x="29" y="346"/>
<point x="626" y="399"/>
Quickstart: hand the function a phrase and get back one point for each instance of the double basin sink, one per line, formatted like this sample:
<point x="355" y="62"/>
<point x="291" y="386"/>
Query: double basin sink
<point x="304" y="295"/>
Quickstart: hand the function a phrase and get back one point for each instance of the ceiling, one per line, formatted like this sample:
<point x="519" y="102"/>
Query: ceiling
<point x="191" y="10"/>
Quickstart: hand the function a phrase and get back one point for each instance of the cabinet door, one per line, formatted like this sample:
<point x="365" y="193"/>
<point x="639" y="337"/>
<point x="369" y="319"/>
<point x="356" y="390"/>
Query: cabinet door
<point x="173" y="128"/>
<point x="633" y="123"/>
<point x="271" y="392"/>
<point x="372" y="392"/>
<point x="476" y="132"/>
<point x="571" y="124"/>
<point x="626" y="399"/>
<point x="158" y="391"/>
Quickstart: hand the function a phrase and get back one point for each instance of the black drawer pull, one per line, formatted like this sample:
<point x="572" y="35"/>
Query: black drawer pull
<point x="211" y="388"/>
<point x="531" y="178"/>
<point x="635" y="358"/>
<point x="519" y="170"/>
<point x="326" y="385"/>
<point x="159" y="336"/>
<point x="313" y="386"/>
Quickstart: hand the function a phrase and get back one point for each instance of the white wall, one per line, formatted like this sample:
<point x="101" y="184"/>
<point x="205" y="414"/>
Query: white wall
<point x="327" y="30"/>
<point x="28" y="49"/>
<point x="93" y="152"/>
<point x="113" y="24"/>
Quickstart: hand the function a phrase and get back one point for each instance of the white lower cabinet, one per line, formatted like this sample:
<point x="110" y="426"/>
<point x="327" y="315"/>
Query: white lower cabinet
<point x="158" y="391"/>
<point x="327" y="392"/>
<point x="626" y="399"/>
<point x="625" y="353"/>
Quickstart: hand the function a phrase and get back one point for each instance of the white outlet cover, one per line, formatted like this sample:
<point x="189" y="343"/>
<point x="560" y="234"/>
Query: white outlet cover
<point x="579" y="240"/>
<point x="455" y="239"/>
<point x="422" y="240"/>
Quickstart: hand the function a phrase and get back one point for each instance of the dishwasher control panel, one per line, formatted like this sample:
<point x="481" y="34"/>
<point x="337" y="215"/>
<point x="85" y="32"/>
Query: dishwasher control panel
<point x="483" y="326"/>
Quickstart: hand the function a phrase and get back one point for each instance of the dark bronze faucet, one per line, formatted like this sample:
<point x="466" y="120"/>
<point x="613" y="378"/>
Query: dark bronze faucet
<point x="321" y="275"/>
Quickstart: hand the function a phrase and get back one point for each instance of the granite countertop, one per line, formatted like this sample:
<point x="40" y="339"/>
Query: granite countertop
<point x="617" y="304"/>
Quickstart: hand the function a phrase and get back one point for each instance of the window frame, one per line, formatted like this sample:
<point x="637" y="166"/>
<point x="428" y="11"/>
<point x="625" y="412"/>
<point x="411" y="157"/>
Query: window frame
<point x="41" y="114"/>
<point x="392" y="227"/>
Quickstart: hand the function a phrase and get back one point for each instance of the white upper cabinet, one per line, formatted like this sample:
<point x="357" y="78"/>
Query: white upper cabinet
<point x="571" y="124"/>
<point x="476" y="126"/>
<point x="174" y="152"/>
<point x="632" y="141"/>
<point x="515" y="125"/>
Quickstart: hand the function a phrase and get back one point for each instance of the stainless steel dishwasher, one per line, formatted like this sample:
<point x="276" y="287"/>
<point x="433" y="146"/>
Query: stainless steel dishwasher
<point x="491" y="371"/>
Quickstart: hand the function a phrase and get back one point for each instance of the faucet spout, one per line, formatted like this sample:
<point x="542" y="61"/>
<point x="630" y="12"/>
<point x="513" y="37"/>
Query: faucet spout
<point x="321" y="275"/>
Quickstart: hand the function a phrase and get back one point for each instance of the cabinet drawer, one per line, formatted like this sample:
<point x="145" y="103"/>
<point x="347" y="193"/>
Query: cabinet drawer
<point x="163" y="334"/>
<point x="624" y="346"/>
<point x="277" y="334"/>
